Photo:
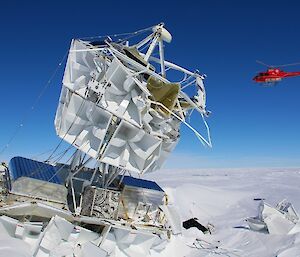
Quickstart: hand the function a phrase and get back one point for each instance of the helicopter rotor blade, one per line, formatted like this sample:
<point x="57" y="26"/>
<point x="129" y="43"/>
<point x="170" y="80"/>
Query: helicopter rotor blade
<point x="289" y="64"/>
<point x="264" y="64"/>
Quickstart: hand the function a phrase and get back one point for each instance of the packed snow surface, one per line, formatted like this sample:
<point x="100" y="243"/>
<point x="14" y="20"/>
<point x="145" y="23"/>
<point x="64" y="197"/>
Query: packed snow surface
<point x="224" y="198"/>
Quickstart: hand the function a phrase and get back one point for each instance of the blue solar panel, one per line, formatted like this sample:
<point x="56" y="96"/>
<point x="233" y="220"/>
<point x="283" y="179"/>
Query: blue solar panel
<point x="137" y="182"/>
<point x="23" y="167"/>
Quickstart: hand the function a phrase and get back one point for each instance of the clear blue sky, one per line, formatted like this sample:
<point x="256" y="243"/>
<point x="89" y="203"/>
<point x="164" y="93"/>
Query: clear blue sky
<point x="251" y="126"/>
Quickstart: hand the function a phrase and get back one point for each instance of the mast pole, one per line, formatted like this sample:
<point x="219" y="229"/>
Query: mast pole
<point x="162" y="58"/>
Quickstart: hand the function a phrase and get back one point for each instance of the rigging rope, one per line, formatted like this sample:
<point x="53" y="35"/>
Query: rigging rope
<point x="36" y="155"/>
<point x="45" y="182"/>
<point x="75" y="118"/>
<point x="131" y="34"/>
<point x="62" y="139"/>
<point x="26" y="115"/>
<point x="60" y="155"/>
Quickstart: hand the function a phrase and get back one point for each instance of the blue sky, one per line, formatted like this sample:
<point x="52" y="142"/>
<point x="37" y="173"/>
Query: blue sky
<point x="251" y="126"/>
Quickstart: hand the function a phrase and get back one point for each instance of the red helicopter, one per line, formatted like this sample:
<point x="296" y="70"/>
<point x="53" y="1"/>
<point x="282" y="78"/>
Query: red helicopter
<point x="274" y="74"/>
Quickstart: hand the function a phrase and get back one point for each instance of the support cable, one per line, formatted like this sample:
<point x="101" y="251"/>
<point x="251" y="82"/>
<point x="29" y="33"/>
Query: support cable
<point x="26" y="114"/>
<point x="129" y="34"/>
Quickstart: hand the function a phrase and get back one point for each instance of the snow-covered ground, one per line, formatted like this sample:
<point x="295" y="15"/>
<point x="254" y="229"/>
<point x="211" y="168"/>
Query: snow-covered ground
<point x="224" y="198"/>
